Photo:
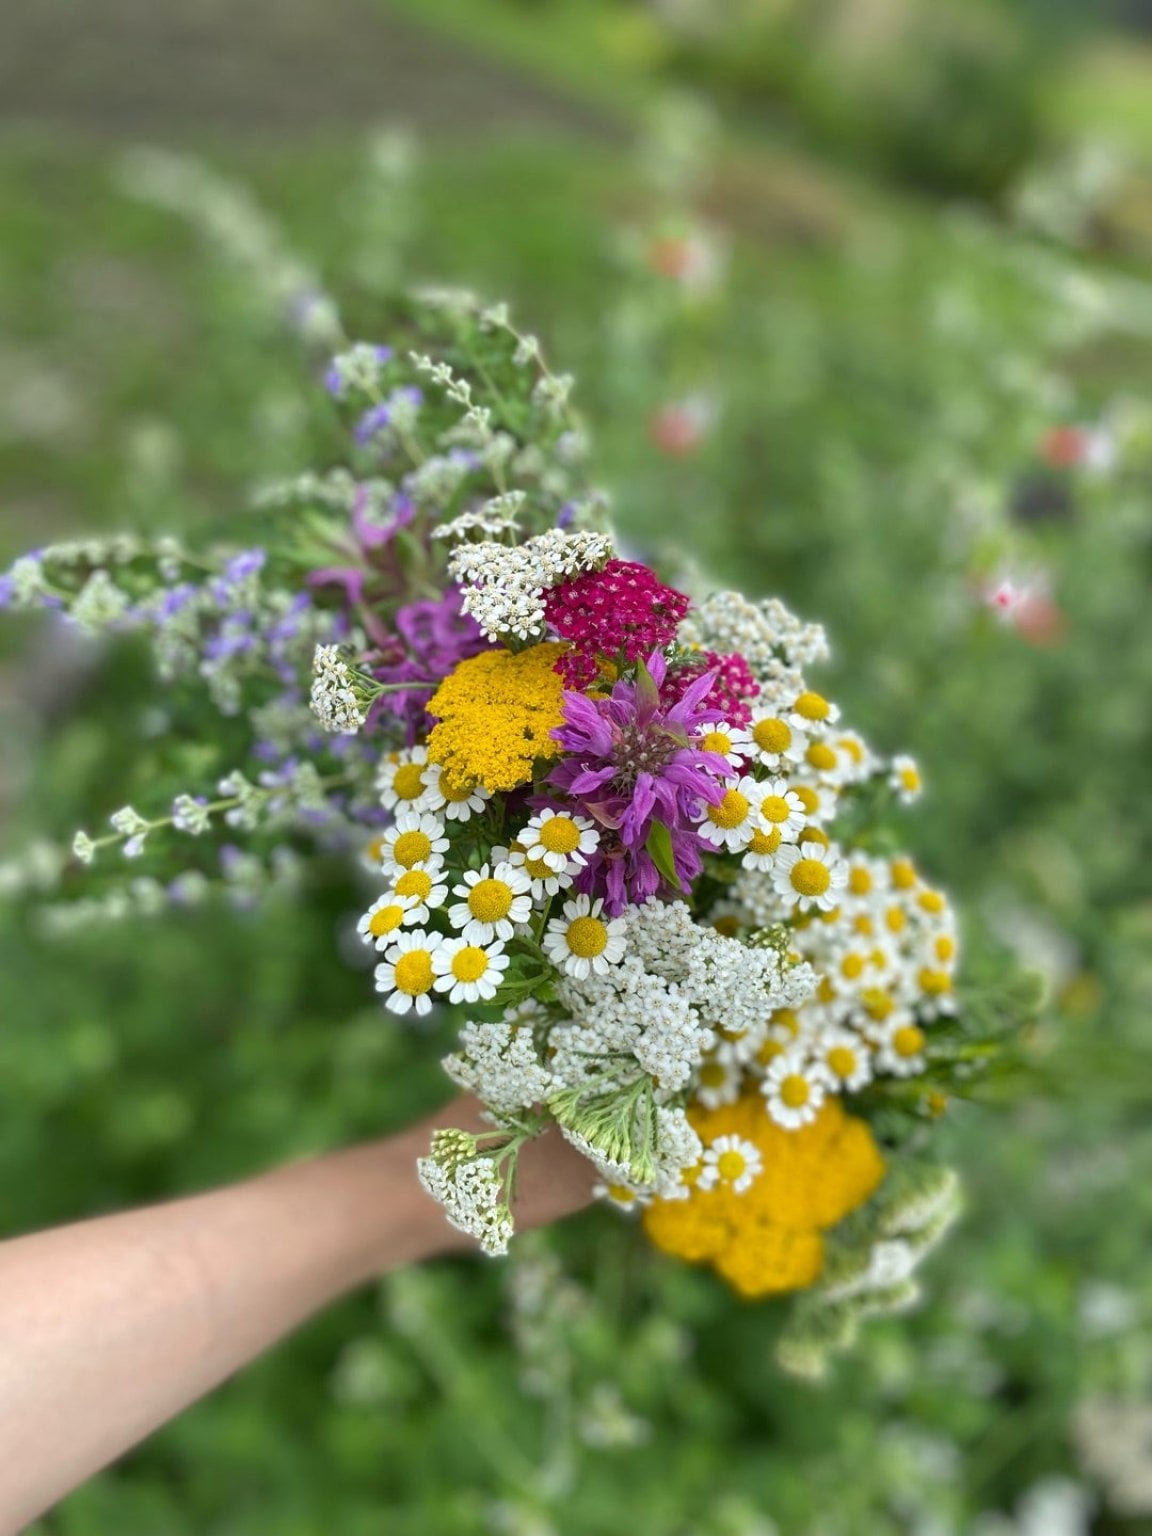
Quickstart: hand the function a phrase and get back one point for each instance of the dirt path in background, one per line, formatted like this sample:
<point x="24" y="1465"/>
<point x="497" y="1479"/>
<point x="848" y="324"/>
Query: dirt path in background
<point x="162" y="69"/>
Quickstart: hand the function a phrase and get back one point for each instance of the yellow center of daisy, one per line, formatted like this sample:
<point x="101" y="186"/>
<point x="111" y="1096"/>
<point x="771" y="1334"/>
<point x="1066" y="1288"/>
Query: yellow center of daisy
<point x="903" y="874"/>
<point x="853" y="748"/>
<point x="731" y="1165"/>
<point x="385" y="920"/>
<point x="908" y="1041"/>
<point x="878" y="1004"/>
<point x="910" y="779"/>
<point x="794" y="1091"/>
<point x="712" y="1075"/>
<point x="587" y="937"/>
<point x="945" y="947"/>
<point x="768" y="1052"/>
<point x="775" y="808"/>
<point x="808" y="797"/>
<point x="490" y="900"/>
<point x="727" y="925"/>
<point x="864" y="926"/>
<point x="931" y="901"/>
<point x="412" y="848"/>
<point x="415" y="882"/>
<point x="826" y="992"/>
<point x="842" y="1060"/>
<point x="560" y="835"/>
<point x="821" y="757"/>
<point x="810" y="877"/>
<point x="376" y="848"/>
<point x="896" y="919"/>
<point x="469" y="964"/>
<point x="812" y="706"/>
<point x="772" y="735"/>
<point x="859" y="882"/>
<point x="732" y="810"/>
<point x="851" y="966"/>
<point x="816" y="835"/>
<point x="765" y="842"/>
<point x="538" y="869"/>
<point x="408" y="781"/>
<point x="455" y="794"/>
<point x="621" y="1194"/>
<point x="716" y="741"/>
<point x="935" y="981"/>
<point x="414" y="973"/>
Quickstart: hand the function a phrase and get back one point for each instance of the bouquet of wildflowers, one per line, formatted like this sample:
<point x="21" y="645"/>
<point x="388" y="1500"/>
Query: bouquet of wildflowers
<point x="613" y="825"/>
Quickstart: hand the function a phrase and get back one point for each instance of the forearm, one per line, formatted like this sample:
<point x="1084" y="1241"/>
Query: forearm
<point x="111" y="1326"/>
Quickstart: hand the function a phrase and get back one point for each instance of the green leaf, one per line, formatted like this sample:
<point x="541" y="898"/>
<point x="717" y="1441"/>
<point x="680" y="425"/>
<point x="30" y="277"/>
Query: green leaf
<point x="647" y="693"/>
<point x="659" y="848"/>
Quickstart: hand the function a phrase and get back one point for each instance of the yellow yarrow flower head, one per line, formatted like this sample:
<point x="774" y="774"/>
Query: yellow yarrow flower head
<point x="496" y="715"/>
<point x="767" y="1238"/>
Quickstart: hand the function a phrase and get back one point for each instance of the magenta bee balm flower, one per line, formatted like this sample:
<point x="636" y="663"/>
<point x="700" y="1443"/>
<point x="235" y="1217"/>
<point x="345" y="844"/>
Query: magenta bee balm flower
<point x="631" y="764"/>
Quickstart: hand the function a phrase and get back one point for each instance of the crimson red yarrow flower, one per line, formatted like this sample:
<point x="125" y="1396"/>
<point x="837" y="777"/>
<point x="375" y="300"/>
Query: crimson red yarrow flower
<point x="619" y="613"/>
<point x="631" y="763"/>
<point x="733" y="683"/>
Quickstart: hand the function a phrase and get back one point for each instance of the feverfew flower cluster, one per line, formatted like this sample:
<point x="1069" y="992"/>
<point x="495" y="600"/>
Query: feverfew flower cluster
<point x="615" y="833"/>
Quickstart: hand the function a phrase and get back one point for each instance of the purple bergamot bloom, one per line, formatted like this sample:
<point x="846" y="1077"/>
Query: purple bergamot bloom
<point x="630" y="763"/>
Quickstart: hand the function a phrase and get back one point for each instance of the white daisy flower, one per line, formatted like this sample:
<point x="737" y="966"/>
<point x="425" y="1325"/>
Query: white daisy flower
<point x="732" y="1161"/>
<point x="861" y="760"/>
<point x="454" y="802"/>
<point x="582" y="941"/>
<point x="827" y="763"/>
<point x="384" y="917"/>
<point x="718" y="1081"/>
<point x="733" y="743"/>
<point x="904" y="777"/>
<point x="812" y="713"/>
<point x="781" y="807"/>
<point x="416" y="838"/>
<point x="622" y="1196"/>
<point x="820" y="801"/>
<point x="406" y="975"/>
<point x="424" y="885"/>
<point x="494" y="901"/>
<point x="404" y="781"/>
<point x="560" y="840"/>
<point x="765" y="844"/>
<point x="900" y="1046"/>
<point x="846" y="1058"/>
<point x="731" y="823"/>
<point x="777" y="741"/>
<point x="469" y="973"/>
<point x="545" y="881"/>
<point x="811" y="874"/>
<point x="794" y="1087"/>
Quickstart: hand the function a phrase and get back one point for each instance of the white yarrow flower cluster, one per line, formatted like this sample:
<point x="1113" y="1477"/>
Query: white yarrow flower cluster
<point x="500" y="1062"/>
<point x="504" y="585"/>
<point x="333" y="698"/>
<point x="472" y="1194"/>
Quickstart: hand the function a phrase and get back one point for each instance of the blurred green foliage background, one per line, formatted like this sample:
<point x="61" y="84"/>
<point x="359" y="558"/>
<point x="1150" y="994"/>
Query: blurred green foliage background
<point x="906" y="363"/>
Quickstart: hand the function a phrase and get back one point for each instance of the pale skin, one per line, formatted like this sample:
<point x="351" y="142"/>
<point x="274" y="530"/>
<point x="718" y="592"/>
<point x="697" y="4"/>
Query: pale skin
<point x="109" y="1327"/>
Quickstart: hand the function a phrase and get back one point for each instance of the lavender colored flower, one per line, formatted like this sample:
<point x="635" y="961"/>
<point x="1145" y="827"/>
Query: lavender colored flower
<point x="379" y="417"/>
<point x="432" y="637"/>
<point x="630" y="765"/>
